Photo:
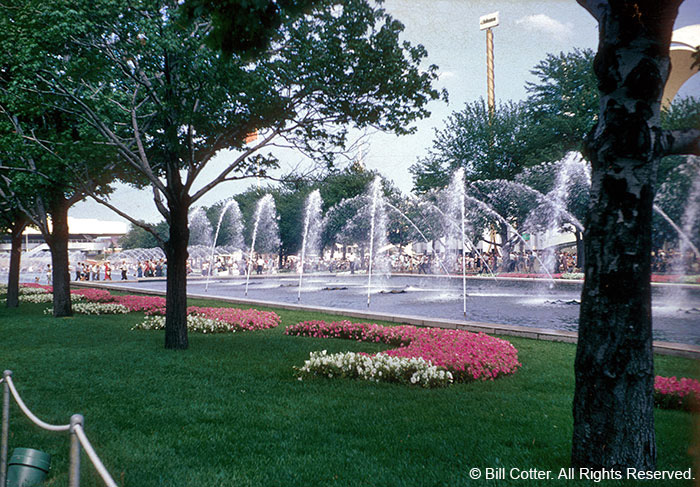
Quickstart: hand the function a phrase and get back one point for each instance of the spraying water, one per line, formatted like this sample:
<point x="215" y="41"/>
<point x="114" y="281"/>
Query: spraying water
<point x="464" y="247"/>
<point x="312" y="231"/>
<point x="376" y="187"/>
<point x="264" y="211"/>
<point x="237" y="212"/>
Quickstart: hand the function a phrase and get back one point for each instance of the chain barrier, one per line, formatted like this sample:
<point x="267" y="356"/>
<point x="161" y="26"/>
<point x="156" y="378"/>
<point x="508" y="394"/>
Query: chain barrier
<point x="75" y="429"/>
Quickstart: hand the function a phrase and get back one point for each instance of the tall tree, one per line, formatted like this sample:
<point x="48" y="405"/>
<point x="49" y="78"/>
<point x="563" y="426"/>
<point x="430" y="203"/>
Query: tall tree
<point x="169" y="104"/>
<point x="613" y="399"/>
<point x="562" y="104"/>
<point x="47" y="149"/>
<point x="13" y="221"/>
<point x="487" y="147"/>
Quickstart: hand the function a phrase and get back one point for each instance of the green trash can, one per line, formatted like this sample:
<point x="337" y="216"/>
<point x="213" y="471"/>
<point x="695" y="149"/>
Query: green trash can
<point x="27" y="467"/>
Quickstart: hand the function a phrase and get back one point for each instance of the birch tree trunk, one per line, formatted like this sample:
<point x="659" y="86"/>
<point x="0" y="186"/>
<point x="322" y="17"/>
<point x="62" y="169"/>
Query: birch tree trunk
<point x="613" y="401"/>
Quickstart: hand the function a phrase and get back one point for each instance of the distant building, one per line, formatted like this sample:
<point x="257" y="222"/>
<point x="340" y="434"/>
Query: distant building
<point x="88" y="235"/>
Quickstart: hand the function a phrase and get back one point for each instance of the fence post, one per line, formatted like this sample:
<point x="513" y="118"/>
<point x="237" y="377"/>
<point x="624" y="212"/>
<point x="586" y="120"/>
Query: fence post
<point x="5" y="427"/>
<point x="76" y="421"/>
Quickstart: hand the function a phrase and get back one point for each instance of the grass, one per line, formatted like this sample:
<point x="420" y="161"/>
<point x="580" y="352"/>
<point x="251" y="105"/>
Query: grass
<point x="230" y="412"/>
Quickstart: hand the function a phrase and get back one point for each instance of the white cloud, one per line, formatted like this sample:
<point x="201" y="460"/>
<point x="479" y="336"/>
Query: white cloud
<point x="544" y="24"/>
<point x="447" y="75"/>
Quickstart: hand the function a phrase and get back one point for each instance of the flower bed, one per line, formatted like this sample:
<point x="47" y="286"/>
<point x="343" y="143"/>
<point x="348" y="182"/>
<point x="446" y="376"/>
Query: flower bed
<point x="676" y="278"/>
<point x="45" y="298"/>
<point x="28" y="291"/>
<point x="379" y="367"/>
<point x="95" y="295"/>
<point x="149" y="304"/>
<point x="95" y="309"/>
<point x="467" y="356"/>
<point x="673" y="393"/>
<point x="195" y="323"/>
<point x="239" y="319"/>
<point x="213" y="319"/>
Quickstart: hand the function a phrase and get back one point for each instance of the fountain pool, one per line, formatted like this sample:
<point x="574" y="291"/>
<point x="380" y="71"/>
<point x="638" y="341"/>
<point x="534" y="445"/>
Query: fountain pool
<point x="524" y="302"/>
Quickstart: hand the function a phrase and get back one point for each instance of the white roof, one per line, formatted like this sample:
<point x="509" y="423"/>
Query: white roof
<point x="90" y="226"/>
<point x="683" y="44"/>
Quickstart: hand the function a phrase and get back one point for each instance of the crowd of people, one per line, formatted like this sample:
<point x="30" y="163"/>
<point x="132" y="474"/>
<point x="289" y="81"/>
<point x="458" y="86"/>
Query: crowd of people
<point x="476" y="263"/>
<point x="671" y="261"/>
<point x="102" y="271"/>
<point x="529" y="262"/>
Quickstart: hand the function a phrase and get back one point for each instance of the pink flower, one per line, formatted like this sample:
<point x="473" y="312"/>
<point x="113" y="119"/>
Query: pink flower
<point x="468" y="356"/>
<point x="673" y="393"/>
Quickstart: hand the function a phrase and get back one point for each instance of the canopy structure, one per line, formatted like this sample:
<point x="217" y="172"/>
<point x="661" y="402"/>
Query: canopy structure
<point x="684" y="43"/>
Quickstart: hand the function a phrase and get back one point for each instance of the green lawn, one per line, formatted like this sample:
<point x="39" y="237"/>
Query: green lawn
<point x="230" y="412"/>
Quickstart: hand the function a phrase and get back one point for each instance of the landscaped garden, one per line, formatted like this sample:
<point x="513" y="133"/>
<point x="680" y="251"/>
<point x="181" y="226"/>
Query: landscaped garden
<point x="232" y="410"/>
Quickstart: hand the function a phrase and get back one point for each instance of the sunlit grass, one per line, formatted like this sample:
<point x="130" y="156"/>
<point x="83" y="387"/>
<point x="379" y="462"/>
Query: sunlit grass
<point x="230" y="411"/>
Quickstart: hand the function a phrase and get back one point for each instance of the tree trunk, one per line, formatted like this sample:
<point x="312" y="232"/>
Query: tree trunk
<point x="58" y="244"/>
<point x="15" y="257"/>
<point x="176" y="283"/>
<point x="613" y="401"/>
<point x="580" y="250"/>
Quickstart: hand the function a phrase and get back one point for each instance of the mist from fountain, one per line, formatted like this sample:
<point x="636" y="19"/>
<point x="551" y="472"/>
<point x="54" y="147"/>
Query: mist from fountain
<point x="455" y="196"/>
<point x="467" y="241"/>
<point x="691" y="217"/>
<point x="375" y="223"/>
<point x="200" y="228"/>
<point x="266" y="213"/>
<point x="495" y="214"/>
<point x="311" y="236"/>
<point x="235" y="232"/>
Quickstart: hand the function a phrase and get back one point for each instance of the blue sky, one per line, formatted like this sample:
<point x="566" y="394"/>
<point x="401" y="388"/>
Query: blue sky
<point x="449" y="29"/>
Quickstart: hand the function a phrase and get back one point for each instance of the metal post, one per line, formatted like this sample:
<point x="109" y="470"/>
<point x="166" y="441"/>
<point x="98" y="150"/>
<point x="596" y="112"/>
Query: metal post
<point x="5" y="427"/>
<point x="487" y="22"/>
<point x="489" y="73"/>
<point x="76" y="420"/>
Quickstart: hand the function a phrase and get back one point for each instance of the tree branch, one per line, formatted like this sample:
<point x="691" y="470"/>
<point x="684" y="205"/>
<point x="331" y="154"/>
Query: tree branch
<point x="131" y="219"/>
<point x="224" y="174"/>
<point x="680" y="142"/>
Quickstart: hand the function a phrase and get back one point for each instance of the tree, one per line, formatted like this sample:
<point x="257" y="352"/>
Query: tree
<point x="613" y="399"/>
<point x="48" y="150"/>
<point x="486" y="147"/>
<point x="14" y="221"/>
<point x="340" y="193"/>
<point x="168" y="103"/>
<point x="40" y="184"/>
<point x="138" y="238"/>
<point x="562" y="104"/>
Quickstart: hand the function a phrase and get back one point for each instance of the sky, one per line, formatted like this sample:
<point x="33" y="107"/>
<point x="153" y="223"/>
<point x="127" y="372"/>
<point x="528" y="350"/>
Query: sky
<point x="449" y="30"/>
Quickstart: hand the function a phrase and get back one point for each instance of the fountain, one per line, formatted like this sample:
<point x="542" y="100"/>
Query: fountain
<point x="311" y="238"/>
<point x="200" y="228"/>
<point x="691" y="215"/>
<point x="376" y="197"/>
<point x="265" y="211"/>
<point x="455" y="196"/>
<point x="235" y="230"/>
